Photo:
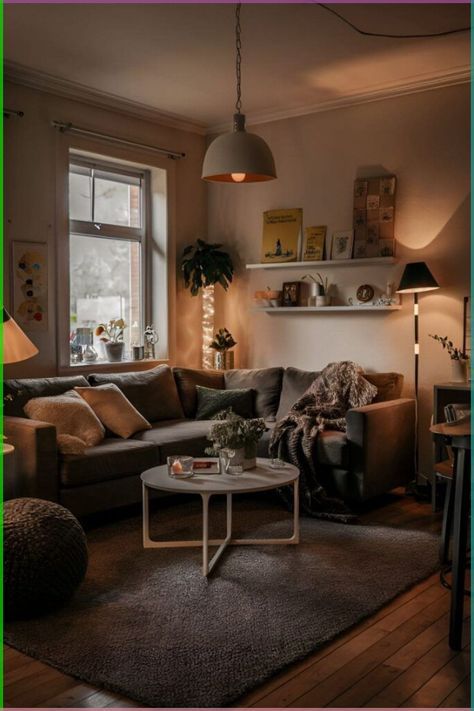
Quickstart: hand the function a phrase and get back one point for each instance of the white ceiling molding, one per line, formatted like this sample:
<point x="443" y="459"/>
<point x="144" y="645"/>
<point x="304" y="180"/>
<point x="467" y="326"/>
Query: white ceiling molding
<point x="18" y="74"/>
<point x="459" y="75"/>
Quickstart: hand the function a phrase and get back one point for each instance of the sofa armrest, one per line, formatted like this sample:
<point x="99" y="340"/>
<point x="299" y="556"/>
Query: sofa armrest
<point x="381" y="437"/>
<point x="36" y="456"/>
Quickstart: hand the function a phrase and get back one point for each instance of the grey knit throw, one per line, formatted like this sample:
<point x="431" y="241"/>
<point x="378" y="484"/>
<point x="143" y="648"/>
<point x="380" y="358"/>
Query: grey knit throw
<point x="338" y="388"/>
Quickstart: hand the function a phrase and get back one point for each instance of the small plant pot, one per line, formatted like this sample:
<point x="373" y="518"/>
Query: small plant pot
<point x="114" y="351"/>
<point x="224" y="360"/>
<point x="459" y="370"/>
<point x="246" y="457"/>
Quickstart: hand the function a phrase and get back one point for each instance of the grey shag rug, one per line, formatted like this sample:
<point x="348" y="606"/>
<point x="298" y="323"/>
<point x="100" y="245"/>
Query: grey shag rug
<point x="146" y="624"/>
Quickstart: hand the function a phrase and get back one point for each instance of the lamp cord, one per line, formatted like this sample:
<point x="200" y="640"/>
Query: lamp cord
<point x="238" y="56"/>
<point x="390" y="36"/>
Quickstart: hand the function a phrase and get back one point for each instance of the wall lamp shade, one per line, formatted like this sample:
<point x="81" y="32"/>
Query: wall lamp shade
<point x="238" y="157"/>
<point x="417" y="278"/>
<point x="16" y="345"/>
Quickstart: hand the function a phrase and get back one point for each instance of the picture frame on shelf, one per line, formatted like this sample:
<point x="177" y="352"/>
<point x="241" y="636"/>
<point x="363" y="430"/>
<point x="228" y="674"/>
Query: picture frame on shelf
<point x="314" y="244"/>
<point x="342" y="244"/>
<point x="291" y="291"/>
<point x="281" y="235"/>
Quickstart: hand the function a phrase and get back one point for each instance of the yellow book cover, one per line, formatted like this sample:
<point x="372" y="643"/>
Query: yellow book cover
<point x="281" y="235"/>
<point x="314" y="243"/>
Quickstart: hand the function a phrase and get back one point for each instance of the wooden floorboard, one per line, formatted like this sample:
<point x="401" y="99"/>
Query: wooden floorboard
<point x="397" y="657"/>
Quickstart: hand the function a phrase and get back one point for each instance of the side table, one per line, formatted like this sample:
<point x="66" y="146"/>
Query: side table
<point x="445" y="394"/>
<point x="459" y="436"/>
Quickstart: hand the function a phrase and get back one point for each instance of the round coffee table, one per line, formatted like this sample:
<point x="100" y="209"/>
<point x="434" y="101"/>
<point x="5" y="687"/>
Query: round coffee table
<point x="261" y="478"/>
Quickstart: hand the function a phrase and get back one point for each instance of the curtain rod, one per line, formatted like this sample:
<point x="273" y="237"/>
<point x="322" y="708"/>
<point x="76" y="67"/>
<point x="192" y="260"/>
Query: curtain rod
<point x="64" y="127"/>
<point x="12" y="112"/>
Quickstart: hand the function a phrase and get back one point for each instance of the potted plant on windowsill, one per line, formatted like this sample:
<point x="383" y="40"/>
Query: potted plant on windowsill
<point x="111" y="335"/>
<point x="222" y="344"/>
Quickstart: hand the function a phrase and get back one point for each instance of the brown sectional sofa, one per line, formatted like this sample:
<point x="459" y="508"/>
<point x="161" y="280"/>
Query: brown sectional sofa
<point x="375" y="455"/>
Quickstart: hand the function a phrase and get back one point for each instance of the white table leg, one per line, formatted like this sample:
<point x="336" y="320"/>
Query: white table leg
<point x="146" y="517"/>
<point x="205" y="533"/>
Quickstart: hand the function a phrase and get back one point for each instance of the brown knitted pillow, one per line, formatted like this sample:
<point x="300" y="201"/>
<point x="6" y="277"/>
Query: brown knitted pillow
<point x="70" y="415"/>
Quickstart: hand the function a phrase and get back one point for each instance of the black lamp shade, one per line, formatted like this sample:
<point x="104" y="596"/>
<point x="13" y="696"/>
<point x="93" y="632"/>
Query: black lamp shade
<point x="417" y="277"/>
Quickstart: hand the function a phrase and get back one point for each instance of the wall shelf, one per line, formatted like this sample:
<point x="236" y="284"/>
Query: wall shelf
<point x="322" y="309"/>
<point x="373" y="261"/>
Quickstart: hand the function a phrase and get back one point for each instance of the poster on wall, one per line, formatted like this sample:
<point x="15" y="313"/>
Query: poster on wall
<point x="30" y="285"/>
<point x="374" y="217"/>
<point x="281" y="235"/>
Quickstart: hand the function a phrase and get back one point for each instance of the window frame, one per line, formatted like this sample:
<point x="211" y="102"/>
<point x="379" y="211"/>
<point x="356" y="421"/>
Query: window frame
<point x="104" y="230"/>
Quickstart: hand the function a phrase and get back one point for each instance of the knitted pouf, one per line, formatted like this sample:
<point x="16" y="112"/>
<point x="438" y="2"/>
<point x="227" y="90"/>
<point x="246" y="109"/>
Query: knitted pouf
<point x="45" y="556"/>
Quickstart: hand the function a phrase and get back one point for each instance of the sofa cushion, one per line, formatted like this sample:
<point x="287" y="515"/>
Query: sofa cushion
<point x="295" y="384"/>
<point x="211" y="401"/>
<point x="70" y="414"/>
<point x="389" y="385"/>
<point x="114" y="410"/>
<point x="178" y="437"/>
<point x="186" y="381"/>
<point x="152" y="392"/>
<point x="265" y="381"/>
<point x="112" y="459"/>
<point x="16" y="393"/>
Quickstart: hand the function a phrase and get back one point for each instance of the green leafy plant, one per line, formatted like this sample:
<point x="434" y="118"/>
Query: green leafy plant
<point x="222" y="341"/>
<point x="231" y="431"/>
<point x="454" y="352"/>
<point x="204" y="264"/>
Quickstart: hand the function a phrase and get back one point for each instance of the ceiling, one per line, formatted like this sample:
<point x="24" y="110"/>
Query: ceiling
<point x="179" y="58"/>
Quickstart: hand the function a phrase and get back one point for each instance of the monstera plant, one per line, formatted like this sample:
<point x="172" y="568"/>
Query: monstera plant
<point x="203" y="265"/>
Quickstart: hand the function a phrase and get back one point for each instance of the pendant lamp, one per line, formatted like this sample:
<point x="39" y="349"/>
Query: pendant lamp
<point x="238" y="157"/>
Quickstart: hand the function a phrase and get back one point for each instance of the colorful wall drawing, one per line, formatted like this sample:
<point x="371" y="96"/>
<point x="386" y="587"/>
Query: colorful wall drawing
<point x="30" y="285"/>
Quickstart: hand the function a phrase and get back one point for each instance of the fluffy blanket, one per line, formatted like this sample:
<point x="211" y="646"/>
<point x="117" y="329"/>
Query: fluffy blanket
<point x="338" y="388"/>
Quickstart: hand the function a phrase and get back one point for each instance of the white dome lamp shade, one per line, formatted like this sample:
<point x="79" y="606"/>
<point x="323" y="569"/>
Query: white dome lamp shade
<point x="16" y="344"/>
<point x="238" y="157"/>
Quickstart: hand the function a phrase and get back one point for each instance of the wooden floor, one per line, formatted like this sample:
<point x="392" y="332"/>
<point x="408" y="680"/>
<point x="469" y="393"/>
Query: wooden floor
<point x="398" y="658"/>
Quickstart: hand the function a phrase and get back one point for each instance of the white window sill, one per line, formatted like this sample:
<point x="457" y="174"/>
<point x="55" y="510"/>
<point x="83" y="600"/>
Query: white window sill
<point x="106" y="366"/>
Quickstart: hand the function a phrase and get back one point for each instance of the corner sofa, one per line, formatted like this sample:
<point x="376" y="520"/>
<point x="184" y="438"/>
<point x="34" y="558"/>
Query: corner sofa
<point x="375" y="455"/>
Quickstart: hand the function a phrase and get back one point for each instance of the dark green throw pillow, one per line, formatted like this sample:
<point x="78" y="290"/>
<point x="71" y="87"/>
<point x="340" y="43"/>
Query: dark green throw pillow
<point x="211" y="401"/>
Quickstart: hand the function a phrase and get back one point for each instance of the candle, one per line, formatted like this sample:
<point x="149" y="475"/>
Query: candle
<point x="177" y="467"/>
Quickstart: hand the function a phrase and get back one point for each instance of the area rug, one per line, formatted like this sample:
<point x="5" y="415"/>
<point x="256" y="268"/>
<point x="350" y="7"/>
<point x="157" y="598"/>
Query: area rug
<point x="146" y="624"/>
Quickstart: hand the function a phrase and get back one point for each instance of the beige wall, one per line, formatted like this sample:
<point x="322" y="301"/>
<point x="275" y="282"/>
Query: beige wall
<point x="423" y="139"/>
<point x="31" y="166"/>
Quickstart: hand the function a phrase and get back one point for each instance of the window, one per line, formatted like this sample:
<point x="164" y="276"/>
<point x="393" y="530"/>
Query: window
<point x="106" y="254"/>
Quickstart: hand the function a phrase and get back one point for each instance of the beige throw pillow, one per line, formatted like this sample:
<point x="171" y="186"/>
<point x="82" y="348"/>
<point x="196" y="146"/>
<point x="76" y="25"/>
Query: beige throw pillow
<point x="114" y="410"/>
<point x="70" y="416"/>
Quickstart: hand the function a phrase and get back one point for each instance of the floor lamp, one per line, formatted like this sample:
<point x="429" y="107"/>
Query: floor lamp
<point x="16" y="344"/>
<point x="416" y="278"/>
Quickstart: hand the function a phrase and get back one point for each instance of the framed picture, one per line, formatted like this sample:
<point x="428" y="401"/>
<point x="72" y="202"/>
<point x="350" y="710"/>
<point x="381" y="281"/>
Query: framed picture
<point x="281" y="235"/>
<point x="314" y="244"/>
<point x="342" y="243"/>
<point x="291" y="293"/>
<point x="30" y="285"/>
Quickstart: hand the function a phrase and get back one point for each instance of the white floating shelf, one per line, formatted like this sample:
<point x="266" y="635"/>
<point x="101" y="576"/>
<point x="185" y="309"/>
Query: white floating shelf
<point x="322" y="309"/>
<point x="373" y="261"/>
